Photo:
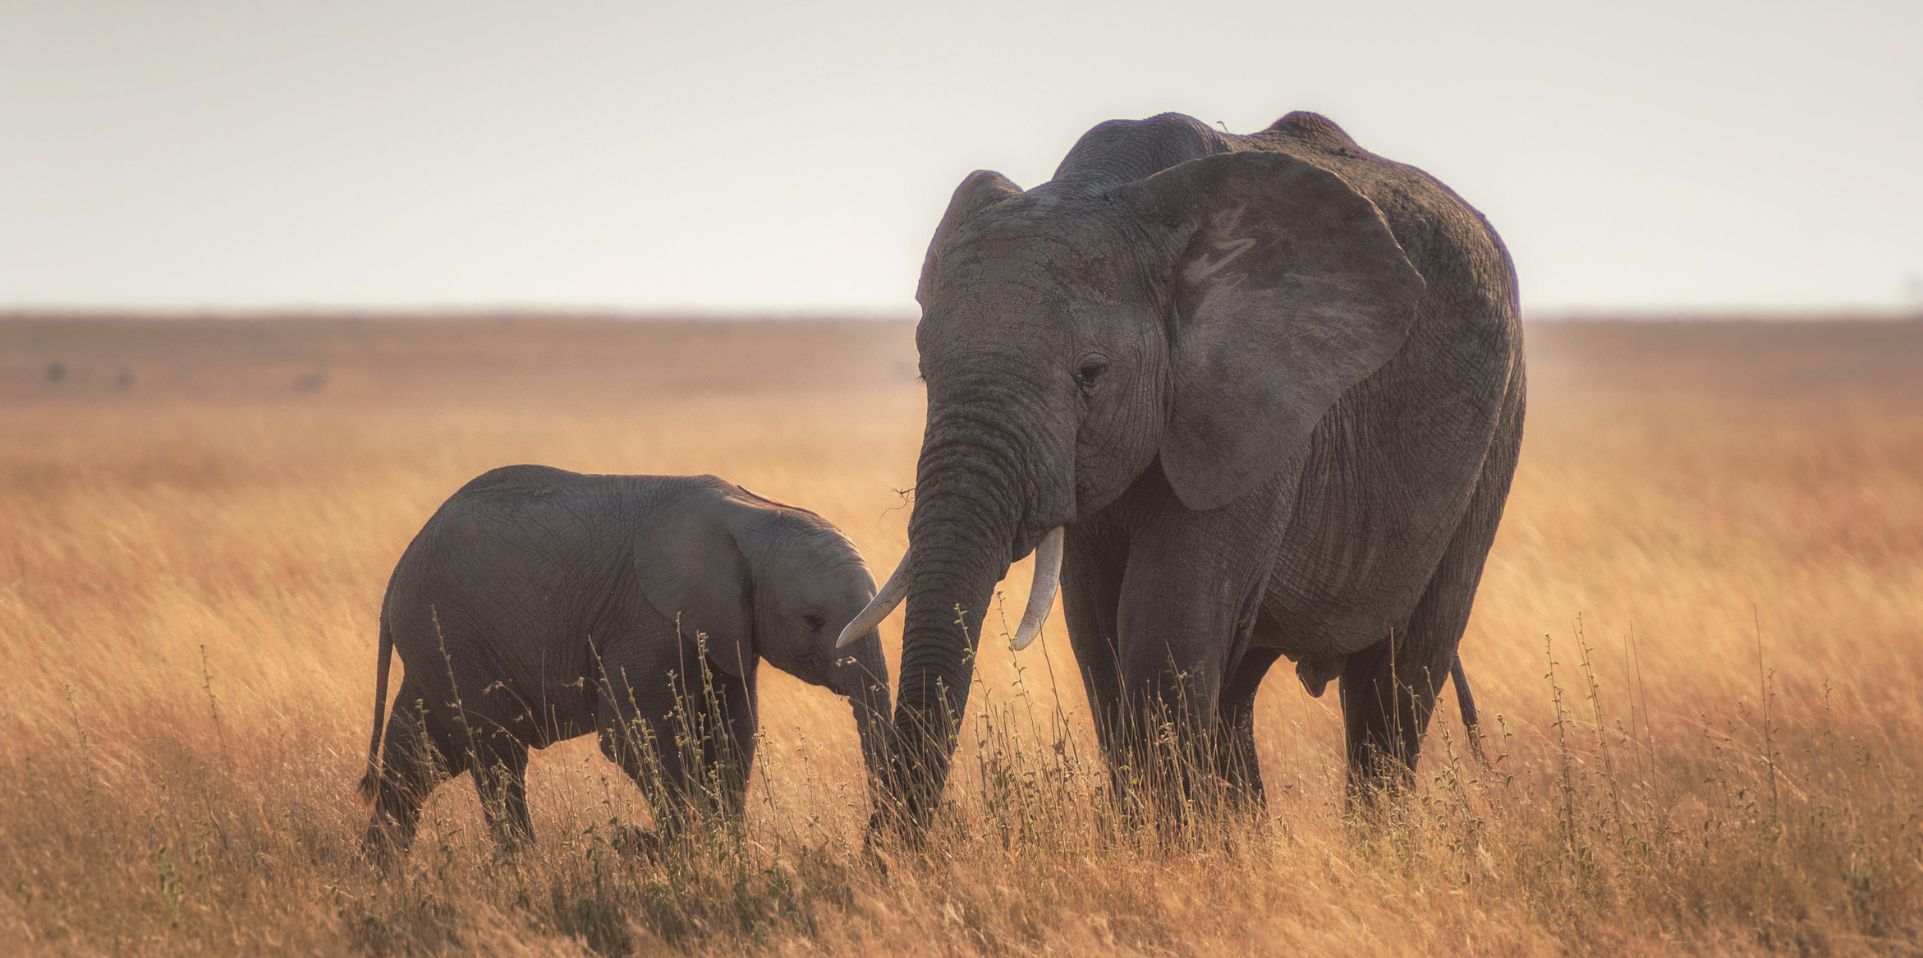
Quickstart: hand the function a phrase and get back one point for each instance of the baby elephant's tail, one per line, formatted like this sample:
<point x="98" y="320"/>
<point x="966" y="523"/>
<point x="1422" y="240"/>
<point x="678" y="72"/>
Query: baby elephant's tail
<point x="370" y="783"/>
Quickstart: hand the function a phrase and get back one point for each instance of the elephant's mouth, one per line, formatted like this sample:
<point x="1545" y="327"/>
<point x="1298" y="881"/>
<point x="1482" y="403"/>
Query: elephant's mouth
<point x="1025" y="541"/>
<point x="1048" y="547"/>
<point x="1083" y="490"/>
<point x="1039" y="520"/>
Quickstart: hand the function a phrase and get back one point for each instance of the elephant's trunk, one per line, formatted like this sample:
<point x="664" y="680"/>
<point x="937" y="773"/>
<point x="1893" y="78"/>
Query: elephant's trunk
<point x="969" y="506"/>
<point x="861" y="676"/>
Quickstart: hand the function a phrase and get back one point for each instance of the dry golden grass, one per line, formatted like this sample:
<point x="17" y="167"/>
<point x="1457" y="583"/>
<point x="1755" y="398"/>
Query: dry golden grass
<point x="1715" y="543"/>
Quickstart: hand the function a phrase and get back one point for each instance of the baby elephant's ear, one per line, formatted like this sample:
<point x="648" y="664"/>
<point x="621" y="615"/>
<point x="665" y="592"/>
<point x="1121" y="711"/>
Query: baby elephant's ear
<point x="1287" y="288"/>
<point x="690" y="570"/>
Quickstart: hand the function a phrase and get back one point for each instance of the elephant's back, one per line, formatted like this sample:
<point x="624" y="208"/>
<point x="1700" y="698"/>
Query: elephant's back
<point x="509" y="578"/>
<point x="1115" y="152"/>
<point x="1448" y="240"/>
<point x="537" y="514"/>
<point x="536" y="524"/>
<point x="1451" y="243"/>
<point x="528" y="485"/>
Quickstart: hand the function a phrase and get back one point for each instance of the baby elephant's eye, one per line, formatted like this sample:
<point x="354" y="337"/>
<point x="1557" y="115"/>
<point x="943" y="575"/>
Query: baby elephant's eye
<point x="815" y="622"/>
<point x="1090" y="370"/>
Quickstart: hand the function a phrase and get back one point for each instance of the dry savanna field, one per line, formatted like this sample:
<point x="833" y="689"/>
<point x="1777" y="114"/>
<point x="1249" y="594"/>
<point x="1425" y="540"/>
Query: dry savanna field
<point x="1696" y="649"/>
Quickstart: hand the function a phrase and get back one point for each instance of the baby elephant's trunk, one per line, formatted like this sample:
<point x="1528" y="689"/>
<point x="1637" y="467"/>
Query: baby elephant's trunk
<point x="861" y="675"/>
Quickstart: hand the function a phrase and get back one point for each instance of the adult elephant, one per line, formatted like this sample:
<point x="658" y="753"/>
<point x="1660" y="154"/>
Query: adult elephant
<point x="1254" y="396"/>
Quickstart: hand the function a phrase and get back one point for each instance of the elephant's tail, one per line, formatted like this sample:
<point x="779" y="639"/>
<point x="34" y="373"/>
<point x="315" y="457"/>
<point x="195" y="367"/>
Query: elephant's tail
<point x="370" y="783"/>
<point x="1466" y="700"/>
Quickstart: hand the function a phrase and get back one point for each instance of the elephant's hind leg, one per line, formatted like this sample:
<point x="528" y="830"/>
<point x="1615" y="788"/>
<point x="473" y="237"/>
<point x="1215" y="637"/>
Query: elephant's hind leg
<point x="1389" y="689"/>
<point x="1235" y="758"/>
<point x="500" y="777"/>
<point x="1388" y="693"/>
<point x="417" y="754"/>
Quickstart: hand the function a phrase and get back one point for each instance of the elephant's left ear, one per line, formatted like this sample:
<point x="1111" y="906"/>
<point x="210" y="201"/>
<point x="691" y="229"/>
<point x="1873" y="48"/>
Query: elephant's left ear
<point x="978" y="191"/>
<point x="1287" y="288"/>
<point x="691" y="571"/>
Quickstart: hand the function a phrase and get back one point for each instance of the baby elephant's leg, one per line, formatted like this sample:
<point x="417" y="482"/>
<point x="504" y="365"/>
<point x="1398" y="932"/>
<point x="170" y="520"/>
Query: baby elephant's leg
<point x="417" y="754"/>
<point x="500" y="776"/>
<point x="641" y="727"/>
<point x="688" y="746"/>
<point x="728" y="748"/>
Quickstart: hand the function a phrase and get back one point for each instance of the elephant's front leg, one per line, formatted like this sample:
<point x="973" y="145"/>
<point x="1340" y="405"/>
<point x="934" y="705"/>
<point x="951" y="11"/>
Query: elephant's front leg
<point x="1092" y="567"/>
<point x="1187" y="606"/>
<point x="645" y="719"/>
<point x="727" y="743"/>
<point x="1183" y="612"/>
<point x="639" y="735"/>
<point x="688" y="745"/>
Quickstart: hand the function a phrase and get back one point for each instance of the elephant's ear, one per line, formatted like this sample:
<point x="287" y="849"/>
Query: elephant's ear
<point x="1286" y="289"/>
<point x="691" y="571"/>
<point x="978" y="191"/>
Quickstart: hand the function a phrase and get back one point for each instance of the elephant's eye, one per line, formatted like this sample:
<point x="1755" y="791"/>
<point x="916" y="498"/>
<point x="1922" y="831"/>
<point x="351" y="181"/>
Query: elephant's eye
<point x="1090" y="370"/>
<point x="815" y="622"/>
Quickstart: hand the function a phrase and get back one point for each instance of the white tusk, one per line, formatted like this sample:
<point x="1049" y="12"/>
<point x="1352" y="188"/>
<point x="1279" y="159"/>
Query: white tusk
<point x="1041" y="593"/>
<point x="884" y="602"/>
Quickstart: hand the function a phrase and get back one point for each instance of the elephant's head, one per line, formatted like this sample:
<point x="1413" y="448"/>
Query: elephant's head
<point x="1200" y="321"/>
<point x="783" y="579"/>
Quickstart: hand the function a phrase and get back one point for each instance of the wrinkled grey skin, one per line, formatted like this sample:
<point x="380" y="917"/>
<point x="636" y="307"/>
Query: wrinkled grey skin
<point x="1273" y="386"/>
<point x="545" y="603"/>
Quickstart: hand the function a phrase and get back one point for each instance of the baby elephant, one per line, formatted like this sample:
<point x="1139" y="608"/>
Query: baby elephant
<point x="540" y="604"/>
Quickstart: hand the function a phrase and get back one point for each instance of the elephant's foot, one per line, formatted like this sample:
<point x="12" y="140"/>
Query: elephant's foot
<point x="384" y="844"/>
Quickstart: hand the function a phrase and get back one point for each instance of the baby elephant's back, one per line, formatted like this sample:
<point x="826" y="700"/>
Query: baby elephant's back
<point x="512" y="579"/>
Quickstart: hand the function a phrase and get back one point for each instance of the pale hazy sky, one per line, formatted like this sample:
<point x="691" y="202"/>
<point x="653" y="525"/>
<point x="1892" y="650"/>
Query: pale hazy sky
<point x="776" y="156"/>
